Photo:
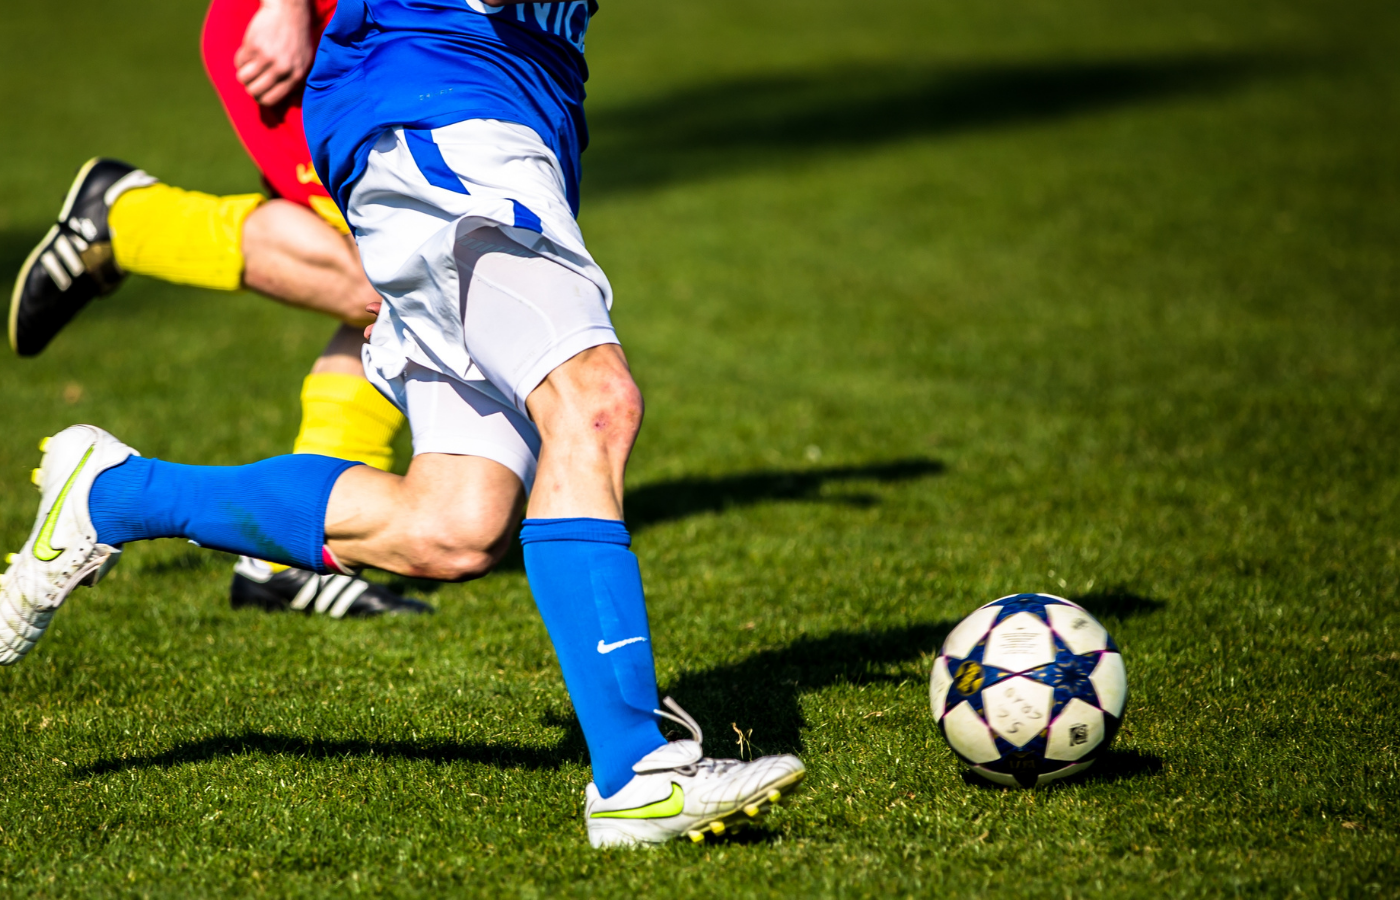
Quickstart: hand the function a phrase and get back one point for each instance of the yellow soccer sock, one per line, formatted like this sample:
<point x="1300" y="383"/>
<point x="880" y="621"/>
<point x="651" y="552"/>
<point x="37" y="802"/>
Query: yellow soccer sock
<point x="345" y="417"/>
<point x="181" y="236"/>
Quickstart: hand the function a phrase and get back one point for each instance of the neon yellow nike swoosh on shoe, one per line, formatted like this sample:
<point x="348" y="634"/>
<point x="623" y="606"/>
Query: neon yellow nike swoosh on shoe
<point x="661" y="809"/>
<point x="43" y="550"/>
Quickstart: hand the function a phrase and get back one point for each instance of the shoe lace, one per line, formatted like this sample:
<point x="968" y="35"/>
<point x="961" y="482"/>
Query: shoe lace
<point x="711" y="766"/>
<point x="681" y="716"/>
<point x="705" y="764"/>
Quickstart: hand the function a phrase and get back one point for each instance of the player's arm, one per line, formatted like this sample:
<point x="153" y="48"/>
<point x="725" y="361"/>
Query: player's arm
<point x="277" y="50"/>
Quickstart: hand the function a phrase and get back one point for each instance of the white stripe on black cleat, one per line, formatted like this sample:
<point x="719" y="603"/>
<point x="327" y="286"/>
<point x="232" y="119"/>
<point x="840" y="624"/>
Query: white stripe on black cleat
<point x="74" y="262"/>
<point x="337" y="596"/>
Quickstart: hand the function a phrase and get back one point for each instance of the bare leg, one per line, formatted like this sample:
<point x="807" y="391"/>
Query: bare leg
<point x="589" y="411"/>
<point x="451" y="517"/>
<point x="292" y="255"/>
<point x="342" y="354"/>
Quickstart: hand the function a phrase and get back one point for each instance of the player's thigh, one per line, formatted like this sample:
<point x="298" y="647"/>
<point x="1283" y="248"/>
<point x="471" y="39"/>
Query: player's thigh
<point x="524" y="315"/>
<point x="474" y="457"/>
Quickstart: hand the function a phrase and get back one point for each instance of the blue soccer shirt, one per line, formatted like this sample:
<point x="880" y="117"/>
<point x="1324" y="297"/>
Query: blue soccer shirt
<point x="429" y="63"/>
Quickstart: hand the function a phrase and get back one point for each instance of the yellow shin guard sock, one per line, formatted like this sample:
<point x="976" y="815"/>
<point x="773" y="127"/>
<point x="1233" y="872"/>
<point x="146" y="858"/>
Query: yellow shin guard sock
<point x="181" y="236"/>
<point x="345" y="417"/>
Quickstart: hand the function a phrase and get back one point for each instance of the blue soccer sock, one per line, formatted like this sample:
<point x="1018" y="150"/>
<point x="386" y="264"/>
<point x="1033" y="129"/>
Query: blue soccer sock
<point x="588" y="588"/>
<point x="273" y="510"/>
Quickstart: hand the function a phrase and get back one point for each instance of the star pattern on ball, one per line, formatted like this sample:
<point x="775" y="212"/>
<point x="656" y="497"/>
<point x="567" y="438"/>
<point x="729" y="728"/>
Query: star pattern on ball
<point x="1028" y="689"/>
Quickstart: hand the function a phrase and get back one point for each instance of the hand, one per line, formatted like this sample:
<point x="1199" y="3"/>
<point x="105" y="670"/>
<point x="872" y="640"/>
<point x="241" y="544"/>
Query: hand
<point x="373" y="309"/>
<point x="277" y="51"/>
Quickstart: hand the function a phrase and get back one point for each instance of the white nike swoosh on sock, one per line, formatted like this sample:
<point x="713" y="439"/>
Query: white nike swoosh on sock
<point x="608" y="648"/>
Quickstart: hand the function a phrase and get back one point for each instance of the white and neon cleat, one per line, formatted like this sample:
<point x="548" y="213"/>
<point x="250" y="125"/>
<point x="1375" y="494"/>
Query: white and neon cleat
<point x="679" y="792"/>
<point x="62" y="551"/>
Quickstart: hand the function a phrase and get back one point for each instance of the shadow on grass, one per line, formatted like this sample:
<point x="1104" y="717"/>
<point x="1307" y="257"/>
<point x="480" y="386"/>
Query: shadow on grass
<point x="191" y="560"/>
<point x="749" y="835"/>
<point x="666" y="501"/>
<point x="1118" y="603"/>
<point x="762" y="691"/>
<point x="416" y="588"/>
<point x="505" y="756"/>
<point x="774" y="120"/>
<point x="778" y="119"/>
<point x="14" y="247"/>
<point x="1123" y="765"/>
<point x="1113" y="766"/>
<point x="682" y="497"/>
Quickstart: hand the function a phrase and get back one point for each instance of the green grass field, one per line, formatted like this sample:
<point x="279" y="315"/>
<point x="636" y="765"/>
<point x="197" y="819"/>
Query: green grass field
<point x="931" y="303"/>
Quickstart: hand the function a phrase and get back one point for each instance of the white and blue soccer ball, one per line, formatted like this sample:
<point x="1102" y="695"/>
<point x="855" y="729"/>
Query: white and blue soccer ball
<point x="1028" y="689"/>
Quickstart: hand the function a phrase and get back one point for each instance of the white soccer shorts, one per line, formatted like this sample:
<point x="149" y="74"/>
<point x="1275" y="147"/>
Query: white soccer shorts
<point x="467" y="234"/>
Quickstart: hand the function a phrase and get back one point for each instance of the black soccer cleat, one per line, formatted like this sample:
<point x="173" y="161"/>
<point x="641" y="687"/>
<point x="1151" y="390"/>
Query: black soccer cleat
<point x="74" y="263"/>
<point x="337" y="596"/>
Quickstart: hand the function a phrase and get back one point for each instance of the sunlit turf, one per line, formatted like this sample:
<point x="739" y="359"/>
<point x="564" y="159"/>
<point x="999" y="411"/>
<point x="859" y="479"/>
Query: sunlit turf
<point x="930" y="303"/>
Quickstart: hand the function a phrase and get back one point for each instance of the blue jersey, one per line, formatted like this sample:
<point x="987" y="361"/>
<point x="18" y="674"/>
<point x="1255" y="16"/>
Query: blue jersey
<point x="423" y="64"/>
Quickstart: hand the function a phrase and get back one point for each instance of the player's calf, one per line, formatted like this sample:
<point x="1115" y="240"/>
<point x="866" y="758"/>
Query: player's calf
<point x="445" y="548"/>
<point x="449" y="519"/>
<point x="292" y="255"/>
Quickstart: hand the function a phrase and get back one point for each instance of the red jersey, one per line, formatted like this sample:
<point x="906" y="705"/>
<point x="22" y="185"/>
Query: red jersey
<point x="273" y="135"/>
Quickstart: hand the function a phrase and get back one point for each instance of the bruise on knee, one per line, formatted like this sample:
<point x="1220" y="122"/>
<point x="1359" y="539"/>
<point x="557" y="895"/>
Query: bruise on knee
<point x="592" y="393"/>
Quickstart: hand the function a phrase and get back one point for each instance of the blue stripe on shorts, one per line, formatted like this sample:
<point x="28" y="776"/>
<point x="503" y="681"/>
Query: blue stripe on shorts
<point x="430" y="162"/>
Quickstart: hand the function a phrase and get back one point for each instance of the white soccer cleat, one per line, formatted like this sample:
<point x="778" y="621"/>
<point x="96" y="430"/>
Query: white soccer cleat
<point x="62" y="551"/>
<point x="678" y="791"/>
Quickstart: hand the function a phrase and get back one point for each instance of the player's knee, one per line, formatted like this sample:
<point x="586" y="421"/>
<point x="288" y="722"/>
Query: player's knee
<point x="591" y="399"/>
<point x="616" y="411"/>
<point x="295" y="240"/>
<point x="610" y="406"/>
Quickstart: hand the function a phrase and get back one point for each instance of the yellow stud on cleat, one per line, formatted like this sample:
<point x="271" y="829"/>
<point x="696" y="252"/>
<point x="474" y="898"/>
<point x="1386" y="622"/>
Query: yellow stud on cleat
<point x="44" y="444"/>
<point x="10" y="557"/>
<point x="717" y="827"/>
<point x="752" y="810"/>
<point x="696" y="836"/>
<point x="37" y="476"/>
<point x="775" y="795"/>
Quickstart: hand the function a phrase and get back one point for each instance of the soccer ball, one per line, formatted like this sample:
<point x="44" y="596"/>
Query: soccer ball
<point x="1028" y="689"/>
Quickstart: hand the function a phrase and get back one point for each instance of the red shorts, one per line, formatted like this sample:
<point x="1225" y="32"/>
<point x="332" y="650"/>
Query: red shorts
<point x="273" y="136"/>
